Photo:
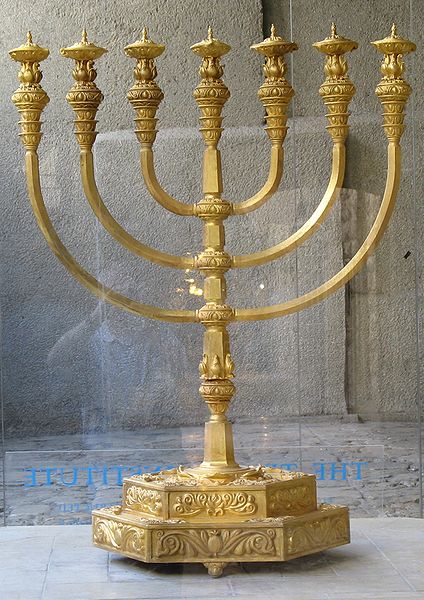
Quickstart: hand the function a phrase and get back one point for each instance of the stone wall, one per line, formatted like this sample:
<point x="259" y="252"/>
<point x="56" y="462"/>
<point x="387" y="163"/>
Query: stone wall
<point x="73" y="364"/>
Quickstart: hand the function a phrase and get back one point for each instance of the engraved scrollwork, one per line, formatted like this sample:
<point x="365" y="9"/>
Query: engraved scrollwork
<point x="211" y="313"/>
<point x="215" y="543"/>
<point x="292" y="500"/>
<point x="210" y="206"/>
<point x="111" y="510"/>
<point x="144" y="500"/>
<point x="119" y="536"/>
<point x="213" y="260"/>
<point x="253" y="476"/>
<point x="317" y="534"/>
<point x="215" y="504"/>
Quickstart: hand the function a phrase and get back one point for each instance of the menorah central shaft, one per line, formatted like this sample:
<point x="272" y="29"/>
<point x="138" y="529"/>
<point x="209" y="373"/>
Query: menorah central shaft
<point x="216" y="368"/>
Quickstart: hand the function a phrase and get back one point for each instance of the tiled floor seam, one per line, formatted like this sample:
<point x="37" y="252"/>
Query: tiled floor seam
<point x="108" y="566"/>
<point x="43" y="589"/>
<point x="401" y="575"/>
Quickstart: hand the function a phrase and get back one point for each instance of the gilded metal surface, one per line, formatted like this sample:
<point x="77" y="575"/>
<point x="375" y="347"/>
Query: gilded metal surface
<point x="143" y="500"/>
<point x="253" y="540"/>
<point x="184" y="494"/>
<point x="293" y="500"/>
<point x="322" y="533"/>
<point x="216" y="512"/>
<point x="214" y="504"/>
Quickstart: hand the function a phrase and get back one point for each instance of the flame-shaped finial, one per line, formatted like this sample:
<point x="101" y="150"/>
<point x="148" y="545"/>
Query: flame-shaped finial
<point x="393" y="31"/>
<point x="144" y="34"/>
<point x="84" y="39"/>
<point x="273" y="32"/>
<point x="29" y="39"/>
<point x="333" y="31"/>
<point x="210" y="33"/>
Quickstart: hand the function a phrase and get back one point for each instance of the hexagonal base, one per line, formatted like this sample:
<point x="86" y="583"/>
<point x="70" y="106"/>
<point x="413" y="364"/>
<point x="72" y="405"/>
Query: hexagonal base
<point x="265" y="515"/>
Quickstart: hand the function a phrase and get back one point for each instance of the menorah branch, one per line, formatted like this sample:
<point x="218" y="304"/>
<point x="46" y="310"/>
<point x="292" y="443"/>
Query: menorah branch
<point x="145" y="96"/>
<point x="355" y="263"/>
<point x="270" y="187"/>
<point x="275" y="94"/>
<point x="336" y="92"/>
<point x="115" y="229"/>
<point x="311" y="225"/>
<point x="76" y="270"/>
<point x="155" y="189"/>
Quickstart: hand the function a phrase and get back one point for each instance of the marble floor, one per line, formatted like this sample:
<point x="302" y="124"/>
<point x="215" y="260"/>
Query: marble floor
<point x="385" y="561"/>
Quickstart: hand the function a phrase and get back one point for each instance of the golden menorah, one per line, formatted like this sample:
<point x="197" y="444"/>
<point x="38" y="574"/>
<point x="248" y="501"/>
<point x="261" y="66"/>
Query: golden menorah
<point x="217" y="512"/>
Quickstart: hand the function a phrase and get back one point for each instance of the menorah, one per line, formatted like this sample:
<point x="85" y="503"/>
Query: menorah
<point x="217" y="512"/>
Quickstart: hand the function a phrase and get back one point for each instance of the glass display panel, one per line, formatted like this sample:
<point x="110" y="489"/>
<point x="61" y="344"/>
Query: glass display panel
<point x="63" y="487"/>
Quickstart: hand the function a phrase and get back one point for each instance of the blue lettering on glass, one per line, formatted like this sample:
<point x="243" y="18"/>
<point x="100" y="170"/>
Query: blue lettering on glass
<point x="319" y="470"/>
<point x="109" y="476"/>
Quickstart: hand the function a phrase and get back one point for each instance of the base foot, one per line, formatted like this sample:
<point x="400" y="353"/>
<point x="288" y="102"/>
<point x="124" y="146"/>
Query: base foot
<point x="215" y="568"/>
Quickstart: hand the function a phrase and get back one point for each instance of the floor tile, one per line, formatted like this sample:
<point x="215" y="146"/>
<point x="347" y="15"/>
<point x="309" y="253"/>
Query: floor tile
<point x="383" y="562"/>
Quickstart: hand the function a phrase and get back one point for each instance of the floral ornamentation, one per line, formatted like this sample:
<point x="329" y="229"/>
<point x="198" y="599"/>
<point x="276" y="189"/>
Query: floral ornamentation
<point x="324" y="533"/>
<point x="293" y="500"/>
<point x="215" y="504"/>
<point x="144" y="500"/>
<point x="215" y="543"/>
<point x="119" y="536"/>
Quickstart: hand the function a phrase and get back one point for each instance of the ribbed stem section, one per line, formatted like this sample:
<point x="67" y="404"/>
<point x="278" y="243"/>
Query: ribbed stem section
<point x="393" y="95"/>
<point x="85" y="98"/>
<point x="30" y="102"/>
<point x="336" y="94"/>
<point x="211" y="95"/>
<point x="145" y="97"/>
<point x="276" y="94"/>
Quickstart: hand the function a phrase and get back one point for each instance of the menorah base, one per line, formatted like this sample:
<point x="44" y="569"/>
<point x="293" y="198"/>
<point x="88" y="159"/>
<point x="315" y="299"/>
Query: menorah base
<point x="261" y="516"/>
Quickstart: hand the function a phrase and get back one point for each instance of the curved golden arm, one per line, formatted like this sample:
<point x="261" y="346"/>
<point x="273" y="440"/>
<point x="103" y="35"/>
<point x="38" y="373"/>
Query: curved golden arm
<point x="145" y="96"/>
<point x="46" y="226"/>
<point x="153" y="186"/>
<point x="113" y="227"/>
<point x="270" y="187"/>
<point x="353" y="266"/>
<point x="311" y="225"/>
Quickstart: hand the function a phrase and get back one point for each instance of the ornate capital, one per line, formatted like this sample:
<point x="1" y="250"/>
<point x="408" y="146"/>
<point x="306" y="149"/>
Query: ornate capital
<point x="211" y="94"/>
<point x="276" y="92"/>
<point x="337" y="90"/>
<point x="393" y="91"/>
<point x="145" y="95"/>
<point x="84" y="96"/>
<point x="30" y="99"/>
